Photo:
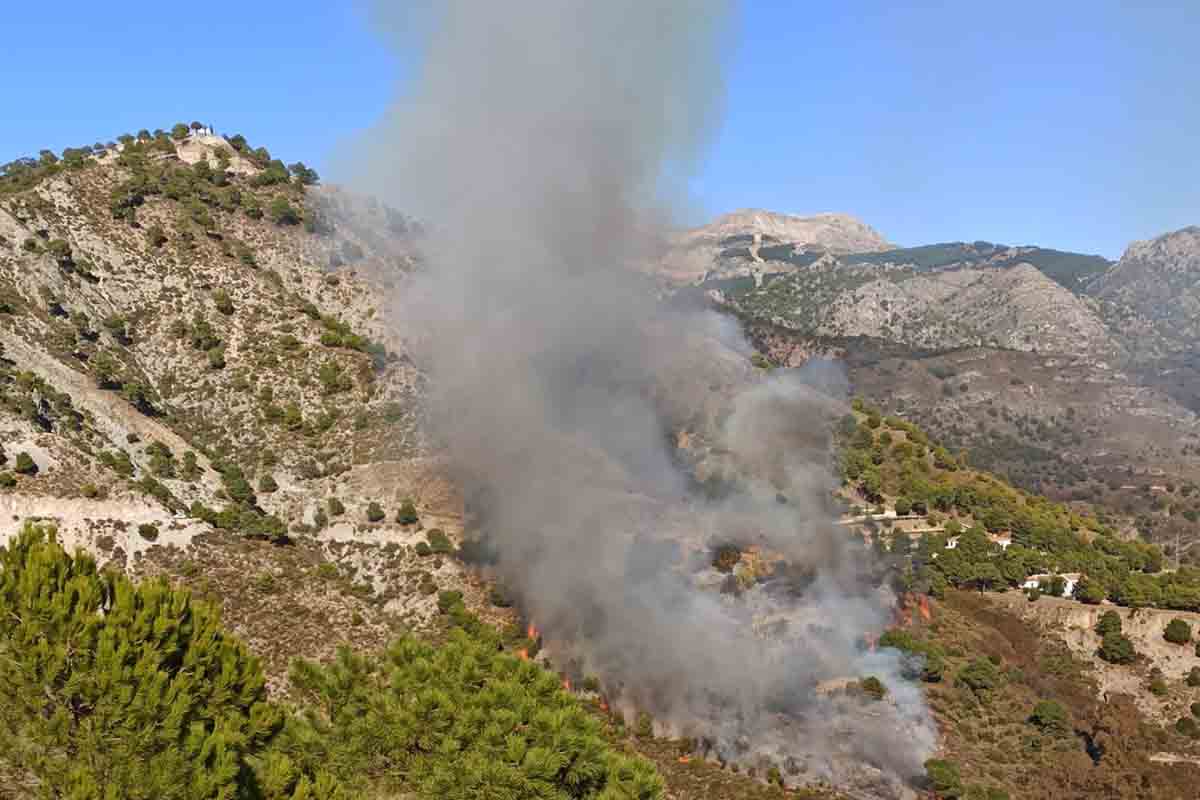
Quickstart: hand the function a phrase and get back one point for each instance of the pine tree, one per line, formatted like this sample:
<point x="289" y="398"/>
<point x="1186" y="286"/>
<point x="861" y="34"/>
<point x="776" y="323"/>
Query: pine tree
<point x="110" y="689"/>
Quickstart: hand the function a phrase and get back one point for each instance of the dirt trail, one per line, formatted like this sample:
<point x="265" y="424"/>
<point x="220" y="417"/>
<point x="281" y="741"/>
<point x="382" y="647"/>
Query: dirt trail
<point x="82" y="522"/>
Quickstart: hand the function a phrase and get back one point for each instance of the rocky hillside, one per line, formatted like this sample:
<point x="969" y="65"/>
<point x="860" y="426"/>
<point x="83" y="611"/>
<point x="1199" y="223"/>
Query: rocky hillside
<point x="702" y="252"/>
<point x="1159" y="282"/>
<point x="198" y="382"/>
<point x="1067" y="373"/>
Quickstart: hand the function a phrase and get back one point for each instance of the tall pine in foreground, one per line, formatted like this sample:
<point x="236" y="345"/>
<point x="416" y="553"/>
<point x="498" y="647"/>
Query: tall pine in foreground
<point x="463" y="721"/>
<point x="114" y="690"/>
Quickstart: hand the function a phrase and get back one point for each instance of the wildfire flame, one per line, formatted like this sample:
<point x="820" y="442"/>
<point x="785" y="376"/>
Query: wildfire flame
<point x="532" y="632"/>
<point x="685" y="759"/>
<point x="523" y="654"/>
<point x="603" y="705"/>
<point x="566" y="684"/>
<point x="923" y="607"/>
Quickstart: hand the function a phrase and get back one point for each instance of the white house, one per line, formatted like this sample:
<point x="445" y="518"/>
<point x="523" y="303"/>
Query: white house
<point x="952" y="543"/>
<point x="1002" y="539"/>
<point x="1070" y="581"/>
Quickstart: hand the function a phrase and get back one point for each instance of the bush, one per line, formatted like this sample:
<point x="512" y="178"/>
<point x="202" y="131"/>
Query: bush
<point x="423" y="549"/>
<point x="1089" y="592"/>
<point x="1050" y="717"/>
<point x="267" y="484"/>
<point x="1115" y="648"/>
<point x="7" y="480"/>
<point x="407" y="515"/>
<point x="336" y="507"/>
<point x="223" y="302"/>
<point x="873" y="687"/>
<point x="979" y="676"/>
<point x="643" y="726"/>
<point x="282" y="212"/>
<point x="375" y="512"/>
<point x="1110" y="622"/>
<point x="25" y="464"/>
<point x="439" y="542"/>
<point x="1186" y="726"/>
<point x="1193" y="677"/>
<point x="1178" y="632"/>
<point x="944" y="778"/>
<point x="148" y="531"/>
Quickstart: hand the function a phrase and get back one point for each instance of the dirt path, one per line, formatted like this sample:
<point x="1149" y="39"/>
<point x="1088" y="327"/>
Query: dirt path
<point x="86" y="523"/>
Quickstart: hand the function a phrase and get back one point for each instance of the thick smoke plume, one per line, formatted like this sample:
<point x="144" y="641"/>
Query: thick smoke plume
<point x="536" y="140"/>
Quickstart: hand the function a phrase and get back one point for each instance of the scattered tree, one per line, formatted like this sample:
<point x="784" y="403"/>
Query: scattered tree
<point x="1178" y="632"/>
<point x="25" y="464"/>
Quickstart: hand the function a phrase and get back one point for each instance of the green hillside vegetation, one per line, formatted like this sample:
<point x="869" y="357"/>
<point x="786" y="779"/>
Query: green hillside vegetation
<point x="1072" y="270"/>
<point x="891" y="461"/>
<point x="121" y="690"/>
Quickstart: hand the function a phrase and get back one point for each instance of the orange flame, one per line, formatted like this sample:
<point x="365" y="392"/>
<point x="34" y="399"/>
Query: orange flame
<point x="532" y="632"/>
<point x="523" y="654"/>
<point x="923" y="606"/>
<point x="566" y="684"/>
<point x="685" y="759"/>
<point x="603" y="705"/>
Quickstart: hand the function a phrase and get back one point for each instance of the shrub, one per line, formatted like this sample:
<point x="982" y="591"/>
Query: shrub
<point x="375" y="512"/>
<point x="903" y="507"/>
<point x="726" y="557"/>
<point x="25" y="464"/>
<point x="90" y="491"/>
<point x="223" y="302"/>
<point x="1186" y="726"/>
<point x="1178" y="632"/>
<point x="979" y="676"/>
<point x="1110" y="622"/>
<point x="1090" y="592"/>
<point x="422" y="549"/>
<point x="1050" y="717"/>
<point x="873" y="687"/>
<point x="7" y="480"/>
<point x="439" y="542"/>
<point x="944" y="778"/>
<point x="407" y="515"/>
<point x="336" y="507"/>
<point x="1115" y="648"/>
<point x="282" y="212"/>
<point x="1193" y="677"/>
<point x="643" y="726"/>
<point x="267" y="484"/>
<point x="148" y="531"/>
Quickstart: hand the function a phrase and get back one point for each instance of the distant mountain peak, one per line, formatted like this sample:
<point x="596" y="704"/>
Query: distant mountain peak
<point x="838" y="233"/>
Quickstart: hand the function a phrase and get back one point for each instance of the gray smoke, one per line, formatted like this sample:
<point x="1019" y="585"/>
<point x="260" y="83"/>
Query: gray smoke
<point x="538" y="139"/>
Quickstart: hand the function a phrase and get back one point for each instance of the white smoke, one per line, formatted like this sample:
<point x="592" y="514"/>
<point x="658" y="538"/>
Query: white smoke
<point x="538" y="140"/>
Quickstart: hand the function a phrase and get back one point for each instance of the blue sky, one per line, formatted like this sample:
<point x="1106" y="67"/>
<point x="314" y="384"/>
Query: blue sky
<point x="1068" y="124"/>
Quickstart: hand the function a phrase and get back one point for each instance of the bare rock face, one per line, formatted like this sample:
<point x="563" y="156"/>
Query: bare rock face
<point x="692" y="255"/>
<point x="1159" y="280"/>
<point x="837" y="233"/>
